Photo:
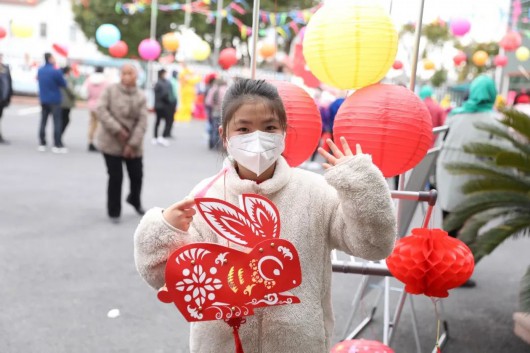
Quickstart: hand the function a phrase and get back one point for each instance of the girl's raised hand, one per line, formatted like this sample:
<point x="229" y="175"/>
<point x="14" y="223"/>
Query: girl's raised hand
<point x="180" y="214"/>
<point x="338" y="157"/>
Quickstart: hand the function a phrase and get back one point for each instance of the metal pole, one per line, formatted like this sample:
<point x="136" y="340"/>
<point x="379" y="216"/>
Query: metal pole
<point x="152" y="35"/>
<point x="217" y="38"/>
<point x="187" y="14"/>
<point x="417" y="38"/>
<point x="255" y="26"/>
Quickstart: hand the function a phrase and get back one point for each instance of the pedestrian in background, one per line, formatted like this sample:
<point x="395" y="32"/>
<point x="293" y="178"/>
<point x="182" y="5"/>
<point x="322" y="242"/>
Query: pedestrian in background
<point x="164" y="108"/>
<point x="122" y="112"/>
<point x="95" y="84"/>
<point x="437" y="112"/>
<point x="50" y="82"/>
<point x="68" y="98"/>
<point x="214" y="101"/>
<point x="6" y="91"/>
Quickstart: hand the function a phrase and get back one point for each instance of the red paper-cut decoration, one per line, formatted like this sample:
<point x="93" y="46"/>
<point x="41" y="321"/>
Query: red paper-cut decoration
<point x="460" y="58"/>
<point x="511" y="41"/>
<point x="304" y="125"/>
<point x="227" y="58"/>
<point x="208" y="281"/>
<point x="119" y="50"/>
<point x="397" y="65"/>
<point x="361" y="346"/>
<point x="431" y="262"/>
<point x="60" y="49"/>
<point x="389" y="122"/>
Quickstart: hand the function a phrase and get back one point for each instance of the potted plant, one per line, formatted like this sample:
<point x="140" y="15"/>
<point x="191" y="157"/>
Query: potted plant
<point x="498" y="196"/>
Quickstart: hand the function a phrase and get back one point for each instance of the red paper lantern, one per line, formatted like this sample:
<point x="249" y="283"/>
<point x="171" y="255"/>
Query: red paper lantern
<point x="361" y="346"/>
<point x="460" y="58"/>
<point x="511" y="41"/>
<point x="227" y="58"/>
<point x="304" y="125"/>
<point x="500" y="60"/>
<point x="3" y="32"/>
<point x="431" y="262"/>
<point x="60" y="49"/>
<point x="398" y="65"/>
<point x="389" y="122"/>
<point x="119" y="50"/>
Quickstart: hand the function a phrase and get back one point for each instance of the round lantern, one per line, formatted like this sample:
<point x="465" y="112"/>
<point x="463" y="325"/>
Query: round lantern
<point x="511" y="41"/>
<point x="119" y="50"/>
<point x="227" y="58"/>
<point x="3" y="32"/>
<point x="389" y="122"/>
<point x="267" y="50"/>
<point x="350" y="45"/>
<point x="304" y="125"/>
<point x="428" y="64"/>
<point x="460" y="58"/>
<point x="201" y="51"/>
<point x="397" y="65"/>
<point x="170" y="42"/>
<point x="107" y="35"/>
<point x="460" y="26"/>
<point x="60" y="49"/>
<point x="522" y="53"/>
<point x="361" y="346"/>
<point x="21" y="30"/>
<point x="480" y="58"/>
<point x="500" y="60"/>
<point x="431" y="262"/>
<point x="149" y="49"/>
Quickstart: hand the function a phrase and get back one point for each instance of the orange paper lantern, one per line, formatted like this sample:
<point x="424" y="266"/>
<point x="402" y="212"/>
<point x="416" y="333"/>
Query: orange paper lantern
<point x="431" y="262"/>
<point x="389" y="122"/>
<point x="304" y="125"/>
<point x="170" y="42"/>
<point x="267" y="50"/>
<point x="480" y="58"/>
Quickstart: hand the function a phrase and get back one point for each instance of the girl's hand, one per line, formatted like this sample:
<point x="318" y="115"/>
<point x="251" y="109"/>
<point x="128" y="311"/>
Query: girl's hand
<point x="338" y="157"/>
<point x="180" y="214"/>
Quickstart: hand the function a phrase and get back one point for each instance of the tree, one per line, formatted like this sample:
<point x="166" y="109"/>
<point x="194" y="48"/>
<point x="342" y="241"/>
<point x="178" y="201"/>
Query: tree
<point x="134" y="28"/>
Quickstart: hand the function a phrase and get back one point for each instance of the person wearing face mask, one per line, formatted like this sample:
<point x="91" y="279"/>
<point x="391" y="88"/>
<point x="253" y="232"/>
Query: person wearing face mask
<point x="349" y="208"/>
<point x="122" y="114"/>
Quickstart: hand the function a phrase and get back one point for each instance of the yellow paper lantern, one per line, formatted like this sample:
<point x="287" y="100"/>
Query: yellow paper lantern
<point x="170" y="42"/>
<point x="201" y="51"/>
<point x="350" y="44"/>
<point x="428" y="64"/>
<point x="522" y="53"/>
<point x="21" y="30"/>
<point x="480" y="58"/>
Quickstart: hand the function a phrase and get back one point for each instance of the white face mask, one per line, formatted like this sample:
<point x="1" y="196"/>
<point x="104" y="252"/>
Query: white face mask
<point x="256" y="151"/>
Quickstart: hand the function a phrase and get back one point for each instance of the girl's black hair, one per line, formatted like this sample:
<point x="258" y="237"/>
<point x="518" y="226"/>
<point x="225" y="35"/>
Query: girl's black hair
<point x="243" y="91"/>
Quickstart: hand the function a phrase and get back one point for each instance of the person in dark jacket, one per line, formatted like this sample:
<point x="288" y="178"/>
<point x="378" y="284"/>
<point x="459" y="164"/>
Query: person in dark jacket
<point x="68" y="98"/>
<point x="6" y="91"/>
<point x="50" y="82"/>
<point x="164" y="108"/>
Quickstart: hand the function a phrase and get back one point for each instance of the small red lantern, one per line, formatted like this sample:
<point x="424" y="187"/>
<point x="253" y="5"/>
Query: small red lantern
<point x="119" y="50"/>
<point x="304" y="125"/>
<point x="361" y="346"/>
<point x="511" y="41"/>
<point x="431" y="262"/>
<point x="60" y="49"/>
<point x="3" y="32"/>
<point x="460" y="58"/>
<point x="398" y="65"/>
<point x="389" y="122"/>
<point x="500" y="60"/>
<point x="227" y="58"/>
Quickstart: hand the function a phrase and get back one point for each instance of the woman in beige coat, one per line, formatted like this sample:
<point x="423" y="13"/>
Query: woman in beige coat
<point x="348" y="209"/>
<point x="122" y="112"/>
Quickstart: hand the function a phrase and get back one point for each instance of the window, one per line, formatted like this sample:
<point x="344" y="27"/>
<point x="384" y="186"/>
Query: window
<point x="43" y="30"/>
<point x="73" y="33"/>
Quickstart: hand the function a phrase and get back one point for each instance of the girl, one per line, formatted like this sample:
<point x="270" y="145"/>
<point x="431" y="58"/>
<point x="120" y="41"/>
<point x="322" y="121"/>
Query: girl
<point x="348" y="209"/>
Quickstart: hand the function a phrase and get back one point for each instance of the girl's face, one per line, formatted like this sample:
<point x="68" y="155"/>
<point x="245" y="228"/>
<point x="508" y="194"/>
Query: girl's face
<point x="250" y="117"/>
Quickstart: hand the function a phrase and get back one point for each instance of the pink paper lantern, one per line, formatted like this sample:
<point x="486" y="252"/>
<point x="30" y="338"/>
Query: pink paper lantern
<point x="149" y="49"/>
<point x="460" y="26"/>
<point x="511" y="41"/>
<point x="500" y="60"/>
<point x="390" y="123"/>
<point x="361" y="346"/>
<point x="398" y="65"/>
<point x="3" y="32"/>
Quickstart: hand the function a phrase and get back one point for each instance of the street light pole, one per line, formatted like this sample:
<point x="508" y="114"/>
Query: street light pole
<point x="187" y="14"/>
<point x="218" y="26"/>
<point x="152" y="36"/>
<point x="255" y="26"/>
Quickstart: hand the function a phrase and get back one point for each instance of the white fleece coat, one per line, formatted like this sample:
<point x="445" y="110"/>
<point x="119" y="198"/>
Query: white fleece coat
<point x="349" y="209"/>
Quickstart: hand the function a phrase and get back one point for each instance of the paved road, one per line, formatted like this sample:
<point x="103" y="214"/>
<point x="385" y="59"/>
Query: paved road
<point x="63" y="265"/>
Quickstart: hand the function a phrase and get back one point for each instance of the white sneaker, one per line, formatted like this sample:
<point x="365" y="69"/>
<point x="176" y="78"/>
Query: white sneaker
<point x="154" y="141"/>
<point x="163" y="141"/>
<point x="41" y="148"/>
<point x="60" y="150"/>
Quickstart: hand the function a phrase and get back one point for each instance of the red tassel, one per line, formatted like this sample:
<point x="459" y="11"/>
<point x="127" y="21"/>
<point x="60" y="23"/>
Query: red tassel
<point x="235" y="323"/>
<point x="438" y="350"/>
